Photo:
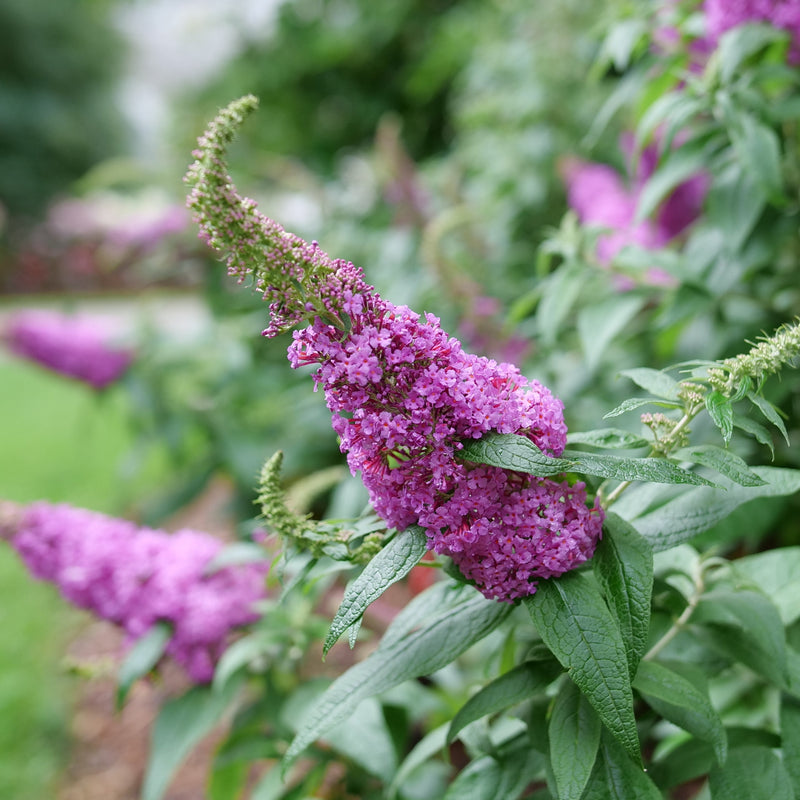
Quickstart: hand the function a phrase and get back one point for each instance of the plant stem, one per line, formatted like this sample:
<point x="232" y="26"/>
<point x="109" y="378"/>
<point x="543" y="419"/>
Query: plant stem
<point x="683" y="619"/>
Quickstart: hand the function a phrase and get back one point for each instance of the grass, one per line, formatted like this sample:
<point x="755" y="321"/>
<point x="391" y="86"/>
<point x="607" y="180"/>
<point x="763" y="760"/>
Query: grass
<point x="60" y="443"/>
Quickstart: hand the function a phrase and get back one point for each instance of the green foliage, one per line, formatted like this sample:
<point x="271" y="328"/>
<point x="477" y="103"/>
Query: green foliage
<point x="56" y="69"/>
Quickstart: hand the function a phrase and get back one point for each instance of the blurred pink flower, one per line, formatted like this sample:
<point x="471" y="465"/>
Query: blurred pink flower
<point x="76" y="346"/>
<point x="136" y="577"/>
<point x="601" y="197"/>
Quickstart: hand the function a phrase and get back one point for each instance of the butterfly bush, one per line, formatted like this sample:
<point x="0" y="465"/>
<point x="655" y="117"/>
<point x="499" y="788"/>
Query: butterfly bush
<point x="404" y="396"/>
<point x="137" y="577"/>
<point x="600" y="196"/>
<point x="76" y="346"/>
<point x="723" y="15"/>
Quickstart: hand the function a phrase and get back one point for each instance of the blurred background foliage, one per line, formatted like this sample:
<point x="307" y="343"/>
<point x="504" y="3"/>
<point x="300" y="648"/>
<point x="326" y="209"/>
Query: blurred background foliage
<point x="58" y="68"/>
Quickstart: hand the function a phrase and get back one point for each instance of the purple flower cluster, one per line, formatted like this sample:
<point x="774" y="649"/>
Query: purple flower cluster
<point x="722" y="15"/>
<point x="78" y="347"/>
<point x="136" y="577"/>
<point x="403" y="397"/>
<point x="600" y="196"/>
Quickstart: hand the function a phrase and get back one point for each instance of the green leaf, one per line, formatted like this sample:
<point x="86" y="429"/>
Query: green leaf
<point x="759" y="150"/>
<point x="599" y="323"/>
<point x="698" y="509"/>
<point x="515" y="686"/>
<point x="561" y="290"/>
<point x="669" y="108"/>
<point x="574" y="734"/>
<point x="574" y="622"/>
<point x="633" y="403"/>
<point x="682" y="703"/>
<point x="790" y="739"/>
<point x="752" y="772"/>
<point x="449" y="630"/>
<point x="241" y="653"/>
<point x="777" y="575"/>
<point x="654" y="381"/>
<point x="621" y="42"/>
<point x="733" y="206"/>
<point x="235" y="554"/>
<point x="694" y="757"/>
<point x="720" y="410"/>
<point x="723" y="461"/>
<point x="433" y="742"/>
<point x="608" y="438"/>
<point x="758" y="432"/>
<point x="654" y="470"/>
<point x="489" y="778"/>
<point x="738" y="44"/>
<point x="388" y="566"/>
<point x="365" y="739"/>
<point x="624" y="566"/>
<point x="515" y="452"/>
<point x="624" y="778"/>
<point x="180" y="725"/>
<point x="751" y="630"/>
<point x="769" y="411"/>
<point x="227" y="781"/>
<point x="142" y="657"/>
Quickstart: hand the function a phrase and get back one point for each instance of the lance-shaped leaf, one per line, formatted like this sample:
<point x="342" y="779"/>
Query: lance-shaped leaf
<point x="180" y="725"/>
<point x="777" y="574"/>
<point x="770" y="412"/>
<point x="654" y="381"/>
<point x="390" y="565"/>
<point x="433" y="742"/>
<point x="515" y="452"/>
<point x="608" y="438"/>
<point x="624" y="566"/>
<point x="723" y="461"/>
<point x="695" y="511"/>
<point x="142" y="657"/>
<point x="633" y="403"/>
<point x="514" y="686"/>
<point x="720" y="409"/>
<point x="654" y="470"/>
<point x="491" y="777"/>
<point x="574" y="734"/>
<point x="752" y="772"/>
<point x="790" y="739"/>
<point x="745" y="625"/>
<point x="449" y="629"/>
<point x="681" y="702"/>
<point x="575" y="623"/>
<point x="511" y="451"/>
<point x="619" y="777"/>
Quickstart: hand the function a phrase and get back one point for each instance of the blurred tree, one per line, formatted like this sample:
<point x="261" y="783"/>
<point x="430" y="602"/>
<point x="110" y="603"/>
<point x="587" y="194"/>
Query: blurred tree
<point x="332" y="68"/>
<point x="58" y="62"/>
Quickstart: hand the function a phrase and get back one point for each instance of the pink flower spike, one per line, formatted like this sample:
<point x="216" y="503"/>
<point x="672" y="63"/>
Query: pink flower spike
<point x="76" y="346"/>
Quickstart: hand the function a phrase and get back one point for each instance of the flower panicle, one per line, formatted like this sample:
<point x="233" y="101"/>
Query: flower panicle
<point x="299" y="280"/>
<point x="764" y="359"/>
<point x="139" y="577"/>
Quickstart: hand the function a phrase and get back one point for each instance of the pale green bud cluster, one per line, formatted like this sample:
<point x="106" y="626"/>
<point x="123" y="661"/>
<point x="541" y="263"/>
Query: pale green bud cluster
<point x="735" y="376"/>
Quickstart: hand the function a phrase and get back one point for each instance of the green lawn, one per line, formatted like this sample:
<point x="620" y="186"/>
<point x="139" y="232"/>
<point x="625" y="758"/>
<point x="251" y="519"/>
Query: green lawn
<point x="58" y="442"/>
